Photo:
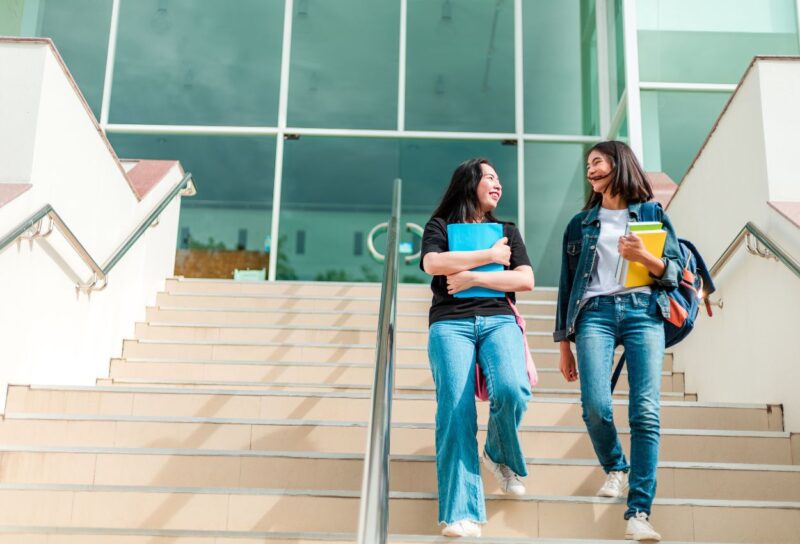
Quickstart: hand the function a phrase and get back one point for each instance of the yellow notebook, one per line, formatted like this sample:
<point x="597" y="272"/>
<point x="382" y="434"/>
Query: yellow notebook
<point x="636" y="274"/>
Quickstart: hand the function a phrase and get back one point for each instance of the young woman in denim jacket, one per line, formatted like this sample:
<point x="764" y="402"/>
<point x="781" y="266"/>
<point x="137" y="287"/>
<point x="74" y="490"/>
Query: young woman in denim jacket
<point x="468" y="331"/>
<point x="598" y="314"/>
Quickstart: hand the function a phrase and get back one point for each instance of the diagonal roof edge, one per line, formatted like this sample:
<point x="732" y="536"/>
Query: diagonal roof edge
<point x="49" y="43"/>
<point x="727" y="105"/>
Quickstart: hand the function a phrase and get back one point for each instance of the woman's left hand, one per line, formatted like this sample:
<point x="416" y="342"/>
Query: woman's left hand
<point x="460" y="282"/>
<point x="632" y="248"/>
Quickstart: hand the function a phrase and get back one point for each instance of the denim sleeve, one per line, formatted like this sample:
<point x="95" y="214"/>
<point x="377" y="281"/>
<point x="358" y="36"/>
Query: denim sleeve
<point x="564" y="291"/>
<point x="671" y="258"/>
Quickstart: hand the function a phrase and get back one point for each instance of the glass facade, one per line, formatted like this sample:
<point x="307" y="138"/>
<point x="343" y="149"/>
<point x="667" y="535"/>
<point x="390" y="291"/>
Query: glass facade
<point x="360" y="110"/>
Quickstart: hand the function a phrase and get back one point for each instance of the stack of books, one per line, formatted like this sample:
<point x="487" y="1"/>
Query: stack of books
<point x="654" y="237"/>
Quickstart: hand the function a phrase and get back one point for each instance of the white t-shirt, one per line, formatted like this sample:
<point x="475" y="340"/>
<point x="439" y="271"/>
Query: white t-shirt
<point x="604" y="275"/>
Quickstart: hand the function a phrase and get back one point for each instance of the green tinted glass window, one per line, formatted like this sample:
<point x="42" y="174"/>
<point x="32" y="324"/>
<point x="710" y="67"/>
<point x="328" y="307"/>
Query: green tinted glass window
<point x="711" y="41"/>
<point x="180" y="63"/>
<point x="557" y="65"/>
<point x="344" y="64"/>
<point x="79" y="29"/>
<point x="332" y="189"/>
<point x="460" y="71"/>
<point x="426" y="167"/>
<point x="674" y="126"/>
<point x="226" y="226"/>
<point x="555" y="190"/>
<point x="616" y="52"/>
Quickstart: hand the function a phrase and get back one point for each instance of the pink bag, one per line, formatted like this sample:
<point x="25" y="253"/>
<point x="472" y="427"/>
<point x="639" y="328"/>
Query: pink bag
<point x="481" y="389"/>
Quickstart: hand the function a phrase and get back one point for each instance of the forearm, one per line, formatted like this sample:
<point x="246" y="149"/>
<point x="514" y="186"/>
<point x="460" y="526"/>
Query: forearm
<point x="653" y="264"/>
<point x="453" y="262"/>
<point x="508" y="281"/>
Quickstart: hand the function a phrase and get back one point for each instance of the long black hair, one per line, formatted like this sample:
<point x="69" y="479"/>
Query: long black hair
<point x="460" y="201"/>
<point x="629" y="179"/>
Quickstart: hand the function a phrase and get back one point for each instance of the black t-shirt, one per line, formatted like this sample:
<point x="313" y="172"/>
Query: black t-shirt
<point x="446" y="306"/>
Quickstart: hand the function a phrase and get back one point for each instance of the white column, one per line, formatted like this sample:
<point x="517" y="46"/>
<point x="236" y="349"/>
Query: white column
<point x="519" y="115"/>
<point x="632" y="78"/>
<point x="603" y="79"/>
<point x="283" y="101"/>
<point x="110" y="56"/>
<point x="401" y="75"/>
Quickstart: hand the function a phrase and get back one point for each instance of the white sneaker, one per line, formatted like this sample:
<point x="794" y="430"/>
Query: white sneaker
<point x="615" y="486"/>
<point x="507" y="478"/>
<point x="462" y="527"/>
<point x="640" y="529"/>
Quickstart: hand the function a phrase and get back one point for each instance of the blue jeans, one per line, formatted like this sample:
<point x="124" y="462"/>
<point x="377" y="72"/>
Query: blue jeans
<point x="633" y="321"/>
<point x="454" y="346"/>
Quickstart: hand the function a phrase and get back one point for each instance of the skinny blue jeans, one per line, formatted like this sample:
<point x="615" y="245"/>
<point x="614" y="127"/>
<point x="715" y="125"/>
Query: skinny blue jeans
<point x="633" y="321"/>
<point x="454" y="348"/>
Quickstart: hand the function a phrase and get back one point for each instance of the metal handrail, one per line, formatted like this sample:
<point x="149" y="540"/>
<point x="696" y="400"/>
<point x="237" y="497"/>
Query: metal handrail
<point x="31" y="229"/>
<point x="373" y="522"/>
<point x="772" y="249"/>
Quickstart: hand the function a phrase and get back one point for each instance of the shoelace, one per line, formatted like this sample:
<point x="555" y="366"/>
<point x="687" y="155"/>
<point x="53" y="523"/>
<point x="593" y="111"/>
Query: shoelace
<point x="507" y="473"/>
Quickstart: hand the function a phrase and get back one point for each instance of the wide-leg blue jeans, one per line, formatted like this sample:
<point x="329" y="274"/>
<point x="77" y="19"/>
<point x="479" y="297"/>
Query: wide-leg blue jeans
<point x="454" y="348"/>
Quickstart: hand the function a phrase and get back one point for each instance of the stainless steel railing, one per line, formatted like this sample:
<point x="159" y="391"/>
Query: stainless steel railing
<point x="31" y="228"/>
<point x="764" y="247"/>
<point x="373" y="520"/>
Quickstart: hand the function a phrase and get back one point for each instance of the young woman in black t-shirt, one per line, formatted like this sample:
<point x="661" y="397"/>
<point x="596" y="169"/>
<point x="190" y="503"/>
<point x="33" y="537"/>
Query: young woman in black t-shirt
<point x="469" y="331"/>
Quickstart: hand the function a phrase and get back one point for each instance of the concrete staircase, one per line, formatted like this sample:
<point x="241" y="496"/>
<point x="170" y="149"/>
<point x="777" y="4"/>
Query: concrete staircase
<point x="238" y="415"/>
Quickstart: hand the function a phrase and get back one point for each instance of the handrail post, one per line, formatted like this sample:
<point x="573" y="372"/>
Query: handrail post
<point x="373" y="522"/>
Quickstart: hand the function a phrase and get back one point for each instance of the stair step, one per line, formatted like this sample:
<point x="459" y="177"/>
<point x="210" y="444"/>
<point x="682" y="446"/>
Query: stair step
<point x="339" y="304"/>
<point x="410" y="513"/>
<point x="293" y="333"/>
<point x="285" y="350"/>
<point x="411" y="473"/>
<point x="406" y="375"/>
<point x="329" y="318"/>
<point x="340" y="387"/>
<point x="249" y="403"/>
<point x="761" y="447"/>
<point x="343" y="289"/>
<point x="108" y="535"/>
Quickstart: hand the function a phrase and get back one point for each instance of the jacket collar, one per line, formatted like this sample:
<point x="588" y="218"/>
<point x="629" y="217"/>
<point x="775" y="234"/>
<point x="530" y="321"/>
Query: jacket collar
<point x="592" y="214"/>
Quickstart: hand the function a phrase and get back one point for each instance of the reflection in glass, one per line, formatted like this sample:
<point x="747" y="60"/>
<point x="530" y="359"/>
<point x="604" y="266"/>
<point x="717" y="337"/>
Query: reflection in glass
<point x="344" y="64"/>
<point x="226" y="226"/>
<point x="672" y="33"/>
<point x="177" y="63"/>
<point x="460" y="73"/>
<point x="79" y="29"/>
<point x="555" y="190"/>
<point x="674" y="127"/>
<point x="337" y="189"/>
<point x="557" y="66"/>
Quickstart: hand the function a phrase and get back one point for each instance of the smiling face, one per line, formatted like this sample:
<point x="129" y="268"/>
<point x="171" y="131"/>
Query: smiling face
<point x="599" y="171"/>
<point x="489" y="189"/>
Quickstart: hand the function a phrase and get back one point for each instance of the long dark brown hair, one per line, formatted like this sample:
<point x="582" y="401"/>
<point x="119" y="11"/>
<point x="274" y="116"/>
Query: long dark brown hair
<point x="460" y="201"/>
<point x="629" y="180"/>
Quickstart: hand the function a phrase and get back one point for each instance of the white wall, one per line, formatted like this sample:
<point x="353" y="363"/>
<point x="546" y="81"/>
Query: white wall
<point x="50" y="333"/>
<point x="747" y="351"/>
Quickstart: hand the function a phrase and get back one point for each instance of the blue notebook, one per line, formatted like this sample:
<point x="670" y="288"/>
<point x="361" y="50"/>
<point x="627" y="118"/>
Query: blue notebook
<point x="472" y="237"/>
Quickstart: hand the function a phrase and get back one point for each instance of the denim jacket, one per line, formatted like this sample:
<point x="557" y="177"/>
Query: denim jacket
<point x="578" y="256"/>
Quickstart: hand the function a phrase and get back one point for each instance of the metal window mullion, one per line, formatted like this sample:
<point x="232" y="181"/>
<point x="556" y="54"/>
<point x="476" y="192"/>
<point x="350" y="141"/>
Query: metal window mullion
<point x="111" y="55"/>
<point x="519" y="115"/>
<point x="401" y="70"/>
<point x="603" y="79"/>
<point x="221" y="130"/>
<point x="283" y="105"/>
<point x="687" y="87"/>
<point x="631" y="53"/>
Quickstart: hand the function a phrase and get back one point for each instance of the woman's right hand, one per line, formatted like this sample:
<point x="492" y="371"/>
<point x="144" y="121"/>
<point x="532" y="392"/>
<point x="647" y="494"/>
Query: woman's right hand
<point x="569" y="369"/>
<point x="501" y="252"/>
